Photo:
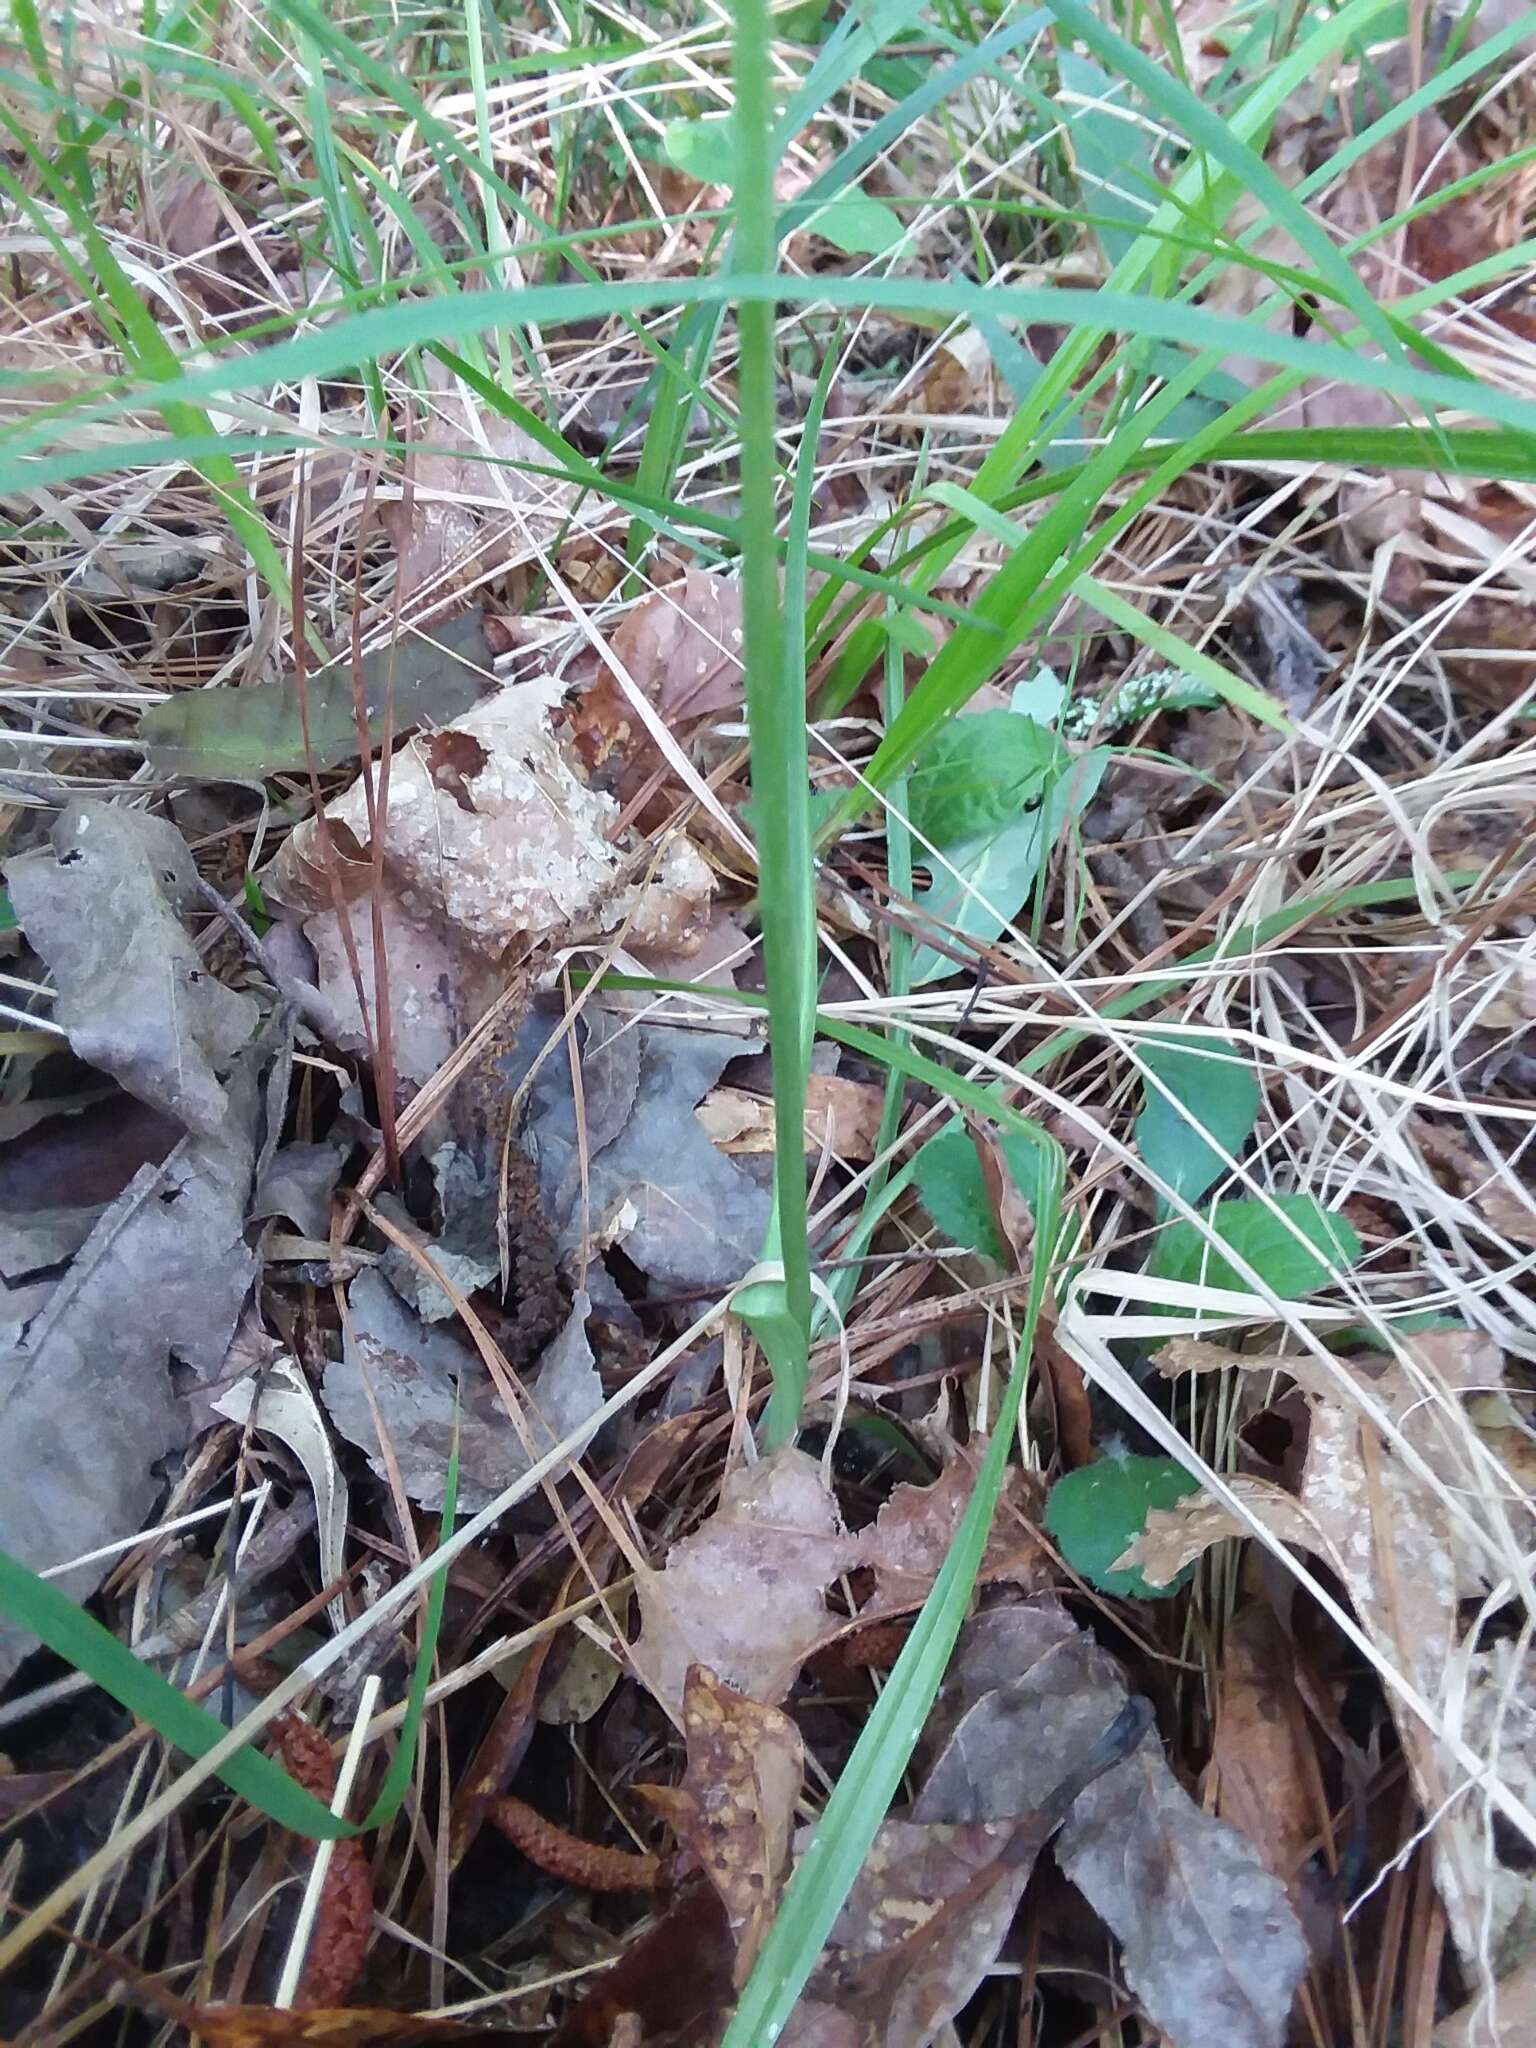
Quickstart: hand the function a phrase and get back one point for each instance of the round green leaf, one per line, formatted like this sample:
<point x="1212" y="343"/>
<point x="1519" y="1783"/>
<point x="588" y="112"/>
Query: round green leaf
<point x="1097" y="1513"/>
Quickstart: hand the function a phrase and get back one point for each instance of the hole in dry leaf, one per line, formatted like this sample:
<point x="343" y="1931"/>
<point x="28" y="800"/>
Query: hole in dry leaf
<point x="1511" y="1847"/>
<point x="454" y="759"/>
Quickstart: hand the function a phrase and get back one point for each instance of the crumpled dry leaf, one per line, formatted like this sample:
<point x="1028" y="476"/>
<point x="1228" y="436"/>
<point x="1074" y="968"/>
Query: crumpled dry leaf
<point x="909" y="1539"/>
<point x="298" y="1182"/>
<point x="493" y="839"/>
<point x="743" y="1594"/>
<point x="735" y="1808"/>
<point x="1390" y="1536"/>
<point x="683" y="645"/>
<point x="490" y="831"/>
<point x="132" y="992"/>
<point x="841" y="1115"/>
<point x="477" y="506"/>
<point x="419" y="1377"/>
<point x="1172" y="1538"/>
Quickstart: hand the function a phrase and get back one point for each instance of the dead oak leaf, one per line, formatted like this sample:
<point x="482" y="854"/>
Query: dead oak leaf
<point x="1261" y="1761"/>
<point x="911" y="1536"/>
<point x="735" y="1808"/>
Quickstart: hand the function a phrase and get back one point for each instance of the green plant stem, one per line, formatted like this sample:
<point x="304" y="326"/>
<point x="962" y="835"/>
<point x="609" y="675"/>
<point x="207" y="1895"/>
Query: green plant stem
<point x="776" y="718"/>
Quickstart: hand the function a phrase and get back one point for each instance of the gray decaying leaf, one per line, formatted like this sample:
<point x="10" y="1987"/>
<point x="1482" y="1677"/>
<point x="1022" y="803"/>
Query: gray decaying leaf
<point x="233" y="734"/>
<point x="298" y="1182"/>
<point x="416" y="1374"/>
<point x="87" y="1404"/>
<point x="1210" y="1944"/>
<point x="137" y="1002"/>
<point x="1208" y="1941"/>
<point x="686" y="1215"/>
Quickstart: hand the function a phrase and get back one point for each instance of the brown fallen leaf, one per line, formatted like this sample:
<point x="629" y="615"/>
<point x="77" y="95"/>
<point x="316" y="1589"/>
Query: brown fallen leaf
<point x="1172" y="1538"/>
<point x="476" y="504"/>
<point x="682" y="645"/>
<point x="1408" y="1563"/>
<point x="493" y="844"/>
<point x="878" y="1970"/>
<point x="735" y="1808"/>
<point x="263" y="2026"/>
<point x="1497" y="1197"/>
<point x="1261" y="1764"/>
<point x="1502" y="2017"/>
<point x="673" y="1981"/>
<point x="743" y="1594"/>
<point x="909" y="1539"/>
<point x="841" y="1116"/>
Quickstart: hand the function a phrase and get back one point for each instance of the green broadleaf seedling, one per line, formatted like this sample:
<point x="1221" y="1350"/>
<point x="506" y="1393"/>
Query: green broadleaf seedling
<point x="1097" y="1513"/>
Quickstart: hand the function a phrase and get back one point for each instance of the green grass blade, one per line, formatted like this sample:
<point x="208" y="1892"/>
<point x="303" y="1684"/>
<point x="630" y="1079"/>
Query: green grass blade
<point x="776" y="719"/>
<point x="81" y="1641"/>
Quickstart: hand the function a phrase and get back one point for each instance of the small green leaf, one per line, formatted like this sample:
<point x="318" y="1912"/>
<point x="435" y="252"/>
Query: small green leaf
<point x="704" y="149"/>
<point x="1293" y="1267"/>
<point x="1214" y="1091"/>
<point x="979" y="772"/>
<point x="1000" y="865"/>
<point x="950" y="1186"/>
<point x="947" y="1175"/>
<point x="857" y="225"/>
<point x="1097" y="1513"/>
<point x="1040" y="696"/>
<point x="908" y="633"/>
<point x="257" y="913"/>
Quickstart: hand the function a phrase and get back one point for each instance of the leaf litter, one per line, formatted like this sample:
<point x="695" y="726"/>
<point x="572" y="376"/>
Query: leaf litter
<point x="1121" y="1812"/>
